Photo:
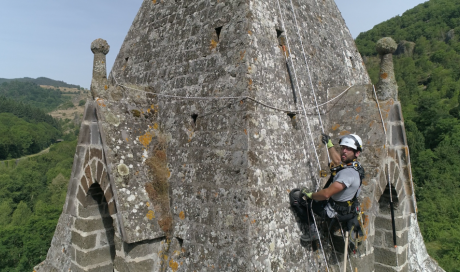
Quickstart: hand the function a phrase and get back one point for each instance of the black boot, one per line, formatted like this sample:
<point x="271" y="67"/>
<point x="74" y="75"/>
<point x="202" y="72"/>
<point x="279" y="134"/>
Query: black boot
<point x="309" y="234"/>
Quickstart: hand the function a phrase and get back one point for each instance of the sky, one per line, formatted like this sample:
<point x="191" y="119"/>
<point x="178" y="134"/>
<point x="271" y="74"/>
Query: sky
<point x="50" y="38"/>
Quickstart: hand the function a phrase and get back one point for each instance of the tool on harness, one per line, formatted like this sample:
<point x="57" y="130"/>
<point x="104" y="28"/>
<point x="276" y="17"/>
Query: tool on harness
<point x="357" y="229"/>
<point x="322" y="173"/>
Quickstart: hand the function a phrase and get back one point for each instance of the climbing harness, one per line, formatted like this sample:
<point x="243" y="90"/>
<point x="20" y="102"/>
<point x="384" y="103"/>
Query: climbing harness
<point x="349" y="205"/>
<point x="349" y="210"/>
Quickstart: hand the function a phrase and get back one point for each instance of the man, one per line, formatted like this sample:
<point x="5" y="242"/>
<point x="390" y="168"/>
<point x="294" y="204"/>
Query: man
<point x="338" y="199"/>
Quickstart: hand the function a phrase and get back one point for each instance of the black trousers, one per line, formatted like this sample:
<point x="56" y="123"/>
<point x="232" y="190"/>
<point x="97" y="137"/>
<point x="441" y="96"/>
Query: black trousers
<point x="303" y="207"/>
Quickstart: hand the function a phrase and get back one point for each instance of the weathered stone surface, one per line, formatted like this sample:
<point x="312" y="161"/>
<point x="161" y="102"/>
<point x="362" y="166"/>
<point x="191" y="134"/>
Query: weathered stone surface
<point x="83" y="242"/>
<point x="58" y="257"/>
<point x="395" y="113"/>
<point x="107" y="238"/>
<point x="120" y="264"/>
<point x="146" y="265"/>
<point x="144" y="248"/>
<point x="89" y="225"/>
<point x="93" y="211"/>
<point x="386" y="256"/>
<point x="386" y="46"/>
<point x="203" y="178"/>
<point x="398" y="135"/>
<point x="95" y="136"/>
<point x="100" y="46"/>
<point x="386" y="87"/>
<point x="385" y="268"/>
<point x="419" y="260"/>
<point x="101" y="268"/>
<point x="45" y="267"/>
<point x="94" y="257"/>
<point x="85" y="135"/>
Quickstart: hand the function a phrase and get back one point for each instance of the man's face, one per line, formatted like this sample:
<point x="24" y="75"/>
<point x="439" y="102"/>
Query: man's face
<point x="347" y="154"/>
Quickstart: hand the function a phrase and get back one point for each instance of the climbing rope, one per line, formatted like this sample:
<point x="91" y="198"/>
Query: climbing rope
<point x="304" y="133"/>
<point x="314" y="95"/>
<point x="309" y="74"/>
<point x="238" y="98"/>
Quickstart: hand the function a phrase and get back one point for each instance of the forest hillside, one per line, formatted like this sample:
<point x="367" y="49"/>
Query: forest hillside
<point x="42" y="81"/>
<point x="32" y="193"/>
<point x="33" y="189"/>
<point x="427" y="69"/>
<point x="32" y="117"/>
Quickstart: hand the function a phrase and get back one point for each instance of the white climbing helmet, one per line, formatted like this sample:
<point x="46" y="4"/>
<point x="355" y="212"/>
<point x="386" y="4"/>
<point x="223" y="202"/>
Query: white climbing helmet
<point x="353" y="141"/>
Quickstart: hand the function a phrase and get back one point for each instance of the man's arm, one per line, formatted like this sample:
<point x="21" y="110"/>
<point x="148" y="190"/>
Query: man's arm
<point x="334" y="155"/>
<point x="325" y="194"/>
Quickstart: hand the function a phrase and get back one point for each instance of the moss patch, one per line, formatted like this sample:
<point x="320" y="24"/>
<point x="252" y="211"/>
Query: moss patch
<point x="136" y="113"/>
<point x="158" y="188"/>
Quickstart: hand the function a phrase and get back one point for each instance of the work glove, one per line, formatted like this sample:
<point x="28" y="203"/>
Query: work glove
<point x="305" y="192"/>
<point x="326" y="140"/>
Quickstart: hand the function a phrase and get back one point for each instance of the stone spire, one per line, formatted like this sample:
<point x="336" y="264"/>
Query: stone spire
<point x="100" y="48"/>
<point x="387" y="86"/>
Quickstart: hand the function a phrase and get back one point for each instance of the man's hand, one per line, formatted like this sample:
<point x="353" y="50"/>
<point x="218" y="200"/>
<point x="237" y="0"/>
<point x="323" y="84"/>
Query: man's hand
<point x="326" y="140"/>
<point x="305" y="192"/>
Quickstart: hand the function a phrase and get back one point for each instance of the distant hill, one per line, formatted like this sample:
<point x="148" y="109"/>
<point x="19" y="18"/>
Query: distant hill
<point x="27" y="112"/>
<point x="427" y="69"/>
<point x="42" y="81"/>
<point x="33" y="94"/>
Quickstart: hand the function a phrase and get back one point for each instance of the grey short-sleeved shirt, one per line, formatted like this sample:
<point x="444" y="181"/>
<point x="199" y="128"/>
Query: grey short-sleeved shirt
<point x="349" y="177"/>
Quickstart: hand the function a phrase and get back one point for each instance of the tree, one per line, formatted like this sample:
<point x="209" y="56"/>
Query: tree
<point x="21" y="214"/>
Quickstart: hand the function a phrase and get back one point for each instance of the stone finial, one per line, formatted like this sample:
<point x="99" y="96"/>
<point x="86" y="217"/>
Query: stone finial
<point x="386" y="87"/>
<point x="386" y="46"/>
<point x="100" y="48"/>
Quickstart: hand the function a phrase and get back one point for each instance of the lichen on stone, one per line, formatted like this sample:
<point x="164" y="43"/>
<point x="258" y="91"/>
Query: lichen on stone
<point x="386" y="45"/>
<point x="123" y="170"/>
<point x="112" y="119"/>
<point x="136" y="113"/>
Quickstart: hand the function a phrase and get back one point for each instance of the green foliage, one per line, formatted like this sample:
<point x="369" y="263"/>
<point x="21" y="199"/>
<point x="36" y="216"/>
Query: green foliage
<point x="6" y="209"/>
<point x="21" y="214"/>
<point x="66" y="105"/>
<point x="81" y="102"/>
<point x="19" y="138"/>
<point x="36" y="96"/>
<point x="27" y="112"/>
<point x="42" y="81"/>
<point x="32" y="194"/>
<point x="429" y="88"/>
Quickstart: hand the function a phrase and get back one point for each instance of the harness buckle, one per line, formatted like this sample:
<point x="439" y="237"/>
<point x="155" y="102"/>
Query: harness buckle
<point x="322" y="173"/>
